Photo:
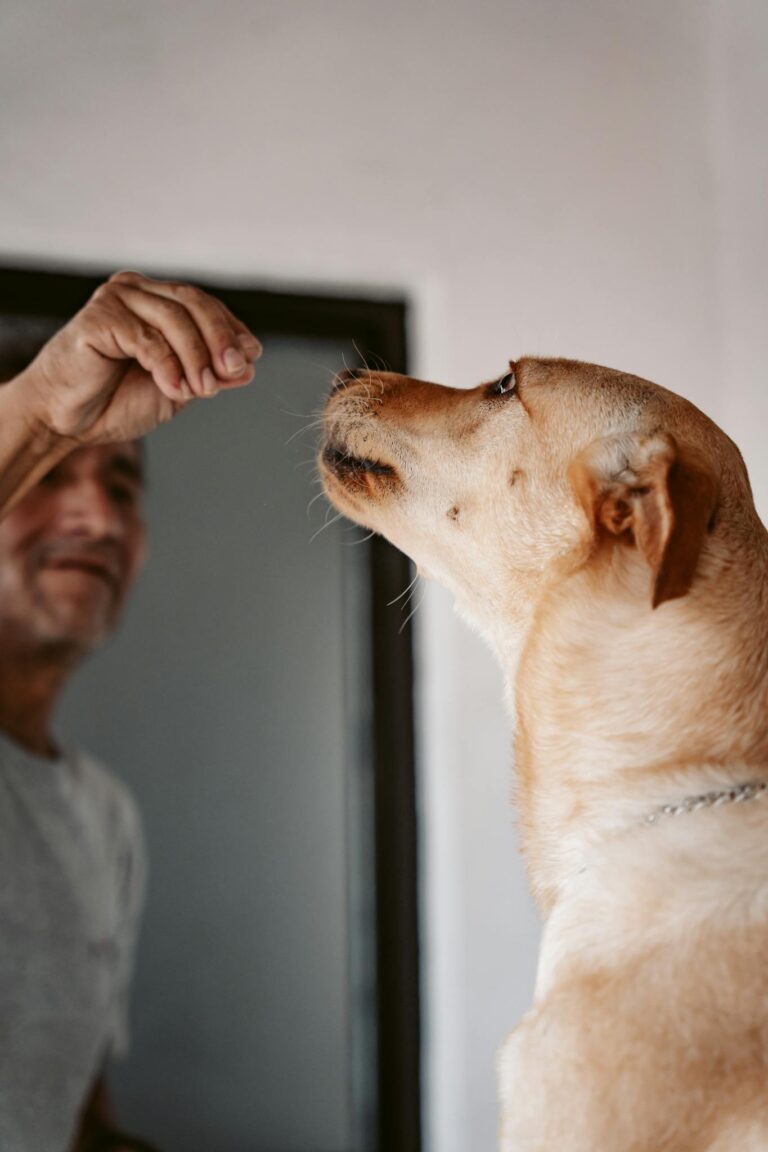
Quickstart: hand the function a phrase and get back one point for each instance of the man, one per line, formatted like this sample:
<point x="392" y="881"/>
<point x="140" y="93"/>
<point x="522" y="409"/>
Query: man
<point x="71" y="543"/>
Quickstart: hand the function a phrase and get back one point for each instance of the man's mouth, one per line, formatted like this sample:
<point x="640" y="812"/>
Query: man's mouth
<point x="88" y="565"/>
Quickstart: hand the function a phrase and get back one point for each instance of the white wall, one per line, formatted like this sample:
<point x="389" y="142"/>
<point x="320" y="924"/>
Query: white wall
<point x="739" y="161"/>
<point x="578" y="179"/>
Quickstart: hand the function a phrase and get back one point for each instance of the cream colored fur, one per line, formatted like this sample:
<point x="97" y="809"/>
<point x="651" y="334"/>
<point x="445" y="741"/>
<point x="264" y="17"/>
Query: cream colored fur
<point x="600" y="532"/>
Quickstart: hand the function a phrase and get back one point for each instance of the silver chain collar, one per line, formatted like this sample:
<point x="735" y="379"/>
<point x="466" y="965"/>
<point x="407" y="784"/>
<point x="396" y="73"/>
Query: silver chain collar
<point x="737" y="795"/>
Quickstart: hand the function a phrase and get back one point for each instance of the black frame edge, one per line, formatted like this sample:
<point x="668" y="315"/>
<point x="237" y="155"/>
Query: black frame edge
<point x="379" y="329"/>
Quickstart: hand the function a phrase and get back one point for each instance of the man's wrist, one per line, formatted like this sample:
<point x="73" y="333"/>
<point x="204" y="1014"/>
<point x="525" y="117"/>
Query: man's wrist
<point x="29" y="446"/>
<point x="27" y="393"/>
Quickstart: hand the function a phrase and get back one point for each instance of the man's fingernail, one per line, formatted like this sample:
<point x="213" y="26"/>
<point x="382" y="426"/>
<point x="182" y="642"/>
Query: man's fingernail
<point x="250" y="345"/>
<point x="210" y="387"/>
<point x="186" y="391"/>
<point x="234" y="361"/>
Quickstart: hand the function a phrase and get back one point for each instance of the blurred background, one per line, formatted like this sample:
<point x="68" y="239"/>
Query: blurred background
<point x="529" y="176"/>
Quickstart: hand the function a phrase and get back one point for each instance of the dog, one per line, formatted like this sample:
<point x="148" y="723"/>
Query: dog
<point x="600" y="533"/>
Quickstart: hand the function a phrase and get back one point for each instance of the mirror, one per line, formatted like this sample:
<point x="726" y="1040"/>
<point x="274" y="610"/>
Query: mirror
<point x="257" y="702"/>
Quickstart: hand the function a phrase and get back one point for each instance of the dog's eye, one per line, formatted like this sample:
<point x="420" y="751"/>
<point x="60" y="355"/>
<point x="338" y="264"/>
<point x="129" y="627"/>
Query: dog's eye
<point x="506" y="385"/>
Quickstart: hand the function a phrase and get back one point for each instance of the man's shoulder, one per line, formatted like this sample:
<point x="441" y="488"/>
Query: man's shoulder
<point x="111" y="815"/>
<point x="105" y="794"/>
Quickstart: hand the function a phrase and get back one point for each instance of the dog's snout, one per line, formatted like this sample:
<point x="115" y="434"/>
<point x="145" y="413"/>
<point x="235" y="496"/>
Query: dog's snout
<point x="346" y="376"/>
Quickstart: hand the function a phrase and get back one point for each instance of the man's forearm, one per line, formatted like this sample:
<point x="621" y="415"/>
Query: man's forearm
<point x="96" y="1113"/>
<point x="98" y="1130"/>
<point x="27" y="448"/>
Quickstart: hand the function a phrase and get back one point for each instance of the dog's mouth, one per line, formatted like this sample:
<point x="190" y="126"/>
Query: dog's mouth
<point x="344" y="464"/>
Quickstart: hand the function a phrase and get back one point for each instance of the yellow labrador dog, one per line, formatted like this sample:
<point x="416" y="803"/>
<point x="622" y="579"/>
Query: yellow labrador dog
<point x="600" y="532"/>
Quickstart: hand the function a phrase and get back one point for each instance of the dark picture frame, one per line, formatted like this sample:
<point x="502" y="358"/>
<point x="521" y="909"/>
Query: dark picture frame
<point x="377" y="329"/>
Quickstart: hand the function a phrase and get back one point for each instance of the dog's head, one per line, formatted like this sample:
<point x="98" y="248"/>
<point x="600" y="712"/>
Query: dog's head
<point x="497" y="489"/>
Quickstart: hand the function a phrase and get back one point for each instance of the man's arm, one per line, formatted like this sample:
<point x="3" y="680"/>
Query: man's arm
<point x="138" y="351"/>
<point x="98" y="1130"/>
<point x="96" y="1115"/>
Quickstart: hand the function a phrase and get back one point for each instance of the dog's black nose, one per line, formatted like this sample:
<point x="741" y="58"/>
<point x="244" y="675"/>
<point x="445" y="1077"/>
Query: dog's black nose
<point x="346" y="376"/>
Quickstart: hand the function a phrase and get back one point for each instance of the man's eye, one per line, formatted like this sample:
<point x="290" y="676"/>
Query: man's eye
<point x="121" y="494"/>
<point x="51" y="479"/>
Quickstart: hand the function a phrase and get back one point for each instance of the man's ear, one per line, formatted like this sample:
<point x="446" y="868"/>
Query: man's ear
<point x="649" y="490"/>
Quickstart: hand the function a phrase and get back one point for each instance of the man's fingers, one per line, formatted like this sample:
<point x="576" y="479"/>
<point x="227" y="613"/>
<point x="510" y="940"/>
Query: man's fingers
<point x="178" y="328"/>
<point x="232" y="360"/>
<point x="232" y="347"/>
<point x="137" y="340"/>
<point x="250" y="344"/>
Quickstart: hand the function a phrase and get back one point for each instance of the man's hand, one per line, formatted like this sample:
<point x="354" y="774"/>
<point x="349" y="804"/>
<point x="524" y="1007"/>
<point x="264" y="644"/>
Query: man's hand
<point x="137" y="352"/>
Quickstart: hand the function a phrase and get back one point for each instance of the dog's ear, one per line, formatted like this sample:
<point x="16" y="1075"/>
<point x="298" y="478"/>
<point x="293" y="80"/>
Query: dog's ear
<point x="650" y="491"/>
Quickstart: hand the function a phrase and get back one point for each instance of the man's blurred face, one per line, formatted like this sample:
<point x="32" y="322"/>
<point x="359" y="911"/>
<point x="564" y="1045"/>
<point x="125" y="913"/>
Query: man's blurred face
<point x="70" y="550"/>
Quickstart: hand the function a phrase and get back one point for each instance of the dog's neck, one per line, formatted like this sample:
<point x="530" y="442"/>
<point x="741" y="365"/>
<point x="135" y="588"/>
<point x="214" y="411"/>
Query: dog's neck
<point x="621" y="708"/>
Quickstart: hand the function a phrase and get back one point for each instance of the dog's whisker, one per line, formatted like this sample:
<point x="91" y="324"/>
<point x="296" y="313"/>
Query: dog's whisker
<point x="344" y="360"/>
<point x="408" y="588"/>
<point x="303" y="415"/>
<point x="411" y="614"/>
<point x="408" y="599"/>
<point x="379" y="364"/>
<point x="323" y="527"/>
<point x="352" y="543"/>
<point x="361" y="357"/>
<point x="314" y="499"/>
<point x="308" y="428"/>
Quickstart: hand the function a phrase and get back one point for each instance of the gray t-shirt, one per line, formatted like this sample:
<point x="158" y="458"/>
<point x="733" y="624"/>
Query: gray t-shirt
<point x="72" y="870"/>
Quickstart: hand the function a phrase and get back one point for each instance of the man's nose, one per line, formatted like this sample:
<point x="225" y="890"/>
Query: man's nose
<point x="88" y="508"/>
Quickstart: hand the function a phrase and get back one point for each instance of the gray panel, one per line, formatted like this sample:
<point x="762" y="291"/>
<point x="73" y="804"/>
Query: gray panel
<point x="225" y="703"/>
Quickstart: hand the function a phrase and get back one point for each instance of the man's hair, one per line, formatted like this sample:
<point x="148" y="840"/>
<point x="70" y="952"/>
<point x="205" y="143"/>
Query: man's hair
<point x="21" y="338"/>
